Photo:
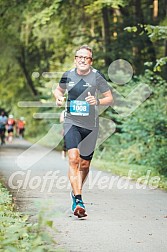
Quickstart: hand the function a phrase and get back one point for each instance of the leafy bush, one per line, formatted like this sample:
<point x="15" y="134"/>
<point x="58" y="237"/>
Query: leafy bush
<point x="16" y="234"/>
<point x="141" y="137"/>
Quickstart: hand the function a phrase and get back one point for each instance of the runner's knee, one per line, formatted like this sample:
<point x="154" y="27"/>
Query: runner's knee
<point x="74" y="158"/>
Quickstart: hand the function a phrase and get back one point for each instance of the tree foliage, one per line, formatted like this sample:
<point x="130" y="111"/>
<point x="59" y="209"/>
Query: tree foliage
<point x="41" y="36"/>
<point x="141" y="137"/>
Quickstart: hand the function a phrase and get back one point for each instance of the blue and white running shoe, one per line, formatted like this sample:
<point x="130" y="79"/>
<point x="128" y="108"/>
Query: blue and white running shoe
<point x="73" y="206"/>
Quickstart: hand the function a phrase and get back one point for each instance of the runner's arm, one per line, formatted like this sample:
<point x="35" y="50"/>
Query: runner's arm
<point x="107" y="98"/>
<point x="59" y="95"/>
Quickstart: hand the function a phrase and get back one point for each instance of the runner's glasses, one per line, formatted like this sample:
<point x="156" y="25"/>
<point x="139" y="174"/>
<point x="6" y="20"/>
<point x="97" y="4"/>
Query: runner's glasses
<point x="79" y="58"/>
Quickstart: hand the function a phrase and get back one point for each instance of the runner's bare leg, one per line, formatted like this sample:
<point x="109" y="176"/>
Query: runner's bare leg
<point x="78" y="170"/>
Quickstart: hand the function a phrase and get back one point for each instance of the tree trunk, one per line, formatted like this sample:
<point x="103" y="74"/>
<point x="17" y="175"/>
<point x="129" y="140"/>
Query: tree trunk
<point x="155" y="9"/>
<point x="21" y="61"/>
<point x="106" y="34"/>
<point x="138" y="12"/>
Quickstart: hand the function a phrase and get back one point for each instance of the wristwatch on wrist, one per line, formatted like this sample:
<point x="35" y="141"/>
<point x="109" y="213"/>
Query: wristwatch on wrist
<point x="97" y="102"/>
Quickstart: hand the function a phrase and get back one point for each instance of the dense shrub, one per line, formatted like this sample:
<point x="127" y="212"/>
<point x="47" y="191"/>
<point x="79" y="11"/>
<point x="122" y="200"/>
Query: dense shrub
<point x="141" y="137"/>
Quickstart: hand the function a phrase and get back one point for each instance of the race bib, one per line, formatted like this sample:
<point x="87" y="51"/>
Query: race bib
<point x="79" y="108"/>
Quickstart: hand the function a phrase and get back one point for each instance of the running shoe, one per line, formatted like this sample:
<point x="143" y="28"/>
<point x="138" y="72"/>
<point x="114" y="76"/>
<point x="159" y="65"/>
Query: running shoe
<point x="80" y="210"/>
<point x="73" y="206"/>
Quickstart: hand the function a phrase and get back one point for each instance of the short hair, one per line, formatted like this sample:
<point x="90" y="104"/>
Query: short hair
<point x="85" y="47"/>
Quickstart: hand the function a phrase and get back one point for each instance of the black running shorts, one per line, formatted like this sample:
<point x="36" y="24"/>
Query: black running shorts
<point x="81" y="138"/>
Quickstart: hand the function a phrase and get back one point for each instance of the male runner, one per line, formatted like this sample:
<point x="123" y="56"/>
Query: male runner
<point x="3" y="122"/>
<point x="83" y="83"/>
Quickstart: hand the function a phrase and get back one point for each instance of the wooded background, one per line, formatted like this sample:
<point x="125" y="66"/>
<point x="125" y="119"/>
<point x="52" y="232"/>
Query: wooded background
<point x="38" y="36"/>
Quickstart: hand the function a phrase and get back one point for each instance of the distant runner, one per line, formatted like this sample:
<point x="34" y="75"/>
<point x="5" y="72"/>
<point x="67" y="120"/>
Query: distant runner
<point x="20" y="127"/>
<point x="81" y="124"/>
<point x="10" y="128"/>
<point x="3" y="122"/>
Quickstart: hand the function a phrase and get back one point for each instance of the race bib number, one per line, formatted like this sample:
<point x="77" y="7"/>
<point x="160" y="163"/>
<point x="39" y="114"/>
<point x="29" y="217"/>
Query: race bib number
<point x="80" y="108"/>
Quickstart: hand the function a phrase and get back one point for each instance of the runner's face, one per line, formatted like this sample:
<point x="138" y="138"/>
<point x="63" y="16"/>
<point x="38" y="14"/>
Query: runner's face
<point x="83" y="60"/>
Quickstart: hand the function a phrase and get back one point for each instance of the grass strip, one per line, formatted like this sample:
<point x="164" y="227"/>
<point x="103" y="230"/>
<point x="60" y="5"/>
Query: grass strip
<point x="139" y="173"/>
<point x="17" y="234"/>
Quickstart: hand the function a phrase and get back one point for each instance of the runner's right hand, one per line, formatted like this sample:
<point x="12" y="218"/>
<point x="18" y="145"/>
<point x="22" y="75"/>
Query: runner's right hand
<point x="60" y="100"/>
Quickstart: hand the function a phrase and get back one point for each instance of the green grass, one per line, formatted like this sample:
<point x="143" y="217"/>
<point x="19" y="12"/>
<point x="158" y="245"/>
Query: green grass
<point x="133" y="171"/>
<point x="17" y="234"/>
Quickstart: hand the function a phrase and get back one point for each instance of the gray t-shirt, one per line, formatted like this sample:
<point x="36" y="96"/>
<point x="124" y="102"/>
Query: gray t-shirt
<point x="78" y="111"/>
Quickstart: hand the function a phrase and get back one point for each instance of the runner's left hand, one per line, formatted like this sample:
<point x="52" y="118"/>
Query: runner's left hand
<point x="91" y="99"/>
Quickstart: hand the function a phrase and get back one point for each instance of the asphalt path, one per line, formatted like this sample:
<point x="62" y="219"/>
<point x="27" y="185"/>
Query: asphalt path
<point x="122" y="215"/>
